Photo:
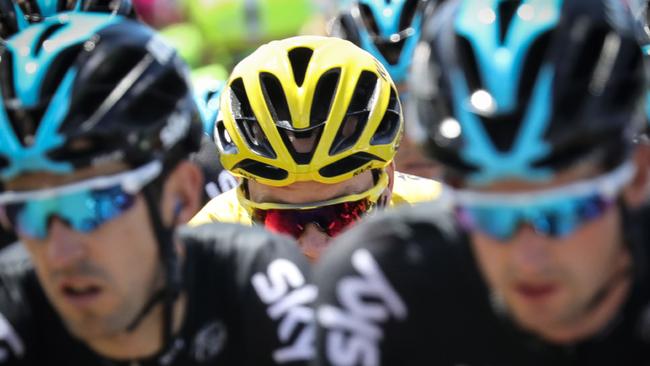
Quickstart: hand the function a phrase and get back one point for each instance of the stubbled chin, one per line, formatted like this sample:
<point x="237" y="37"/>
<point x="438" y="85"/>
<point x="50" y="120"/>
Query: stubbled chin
<point x="536" y="315"/>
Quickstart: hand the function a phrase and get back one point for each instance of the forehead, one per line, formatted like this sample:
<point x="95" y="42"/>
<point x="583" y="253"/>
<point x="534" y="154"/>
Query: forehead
<point x="41" y="180"/>
<point x="568" y="176"/>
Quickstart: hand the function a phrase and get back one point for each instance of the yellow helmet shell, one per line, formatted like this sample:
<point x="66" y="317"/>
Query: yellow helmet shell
<point x="308" y="109"/>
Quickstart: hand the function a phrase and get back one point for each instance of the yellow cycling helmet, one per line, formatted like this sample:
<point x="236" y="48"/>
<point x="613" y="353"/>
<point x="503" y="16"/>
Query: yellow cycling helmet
<point x="308" y="109"/>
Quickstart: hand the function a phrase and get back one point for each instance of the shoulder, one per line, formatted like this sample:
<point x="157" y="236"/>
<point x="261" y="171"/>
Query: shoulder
<point x="247" y="248"/>
<point x="424" y="224"/>
<point x="410" y="189"/>
<point x="389" y="280"/>
<point x="19" y="294"/>
<point x="223" y="208"/>
<point x="268" y="288"/>
<point x="402" y="243"/>
<point x="393" y="278"/>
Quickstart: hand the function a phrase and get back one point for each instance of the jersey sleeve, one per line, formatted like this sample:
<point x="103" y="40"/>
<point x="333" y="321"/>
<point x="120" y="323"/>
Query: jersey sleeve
<point x="223" y="208"/>
<point x="410" y="189"/>
<point x="15" y="324"/>
<point x="375" y="291"/>
<point x="270" y="296"/>
<point x="278" y="302"/>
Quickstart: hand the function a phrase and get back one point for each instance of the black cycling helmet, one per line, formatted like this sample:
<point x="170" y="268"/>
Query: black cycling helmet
<point x="86" y="89"/>
<point x="16" y="15"/>
<point x="97" y="78"/>
<point x="522" y="89"/>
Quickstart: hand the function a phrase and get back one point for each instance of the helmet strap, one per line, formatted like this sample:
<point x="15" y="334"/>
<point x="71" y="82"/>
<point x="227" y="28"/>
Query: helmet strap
<point x="171" y="267"/>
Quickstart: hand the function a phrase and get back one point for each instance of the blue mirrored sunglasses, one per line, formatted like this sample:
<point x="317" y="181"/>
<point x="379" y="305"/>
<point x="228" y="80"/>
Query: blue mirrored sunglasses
<point x="555" y="213"/>
<point x="84" y="206"/>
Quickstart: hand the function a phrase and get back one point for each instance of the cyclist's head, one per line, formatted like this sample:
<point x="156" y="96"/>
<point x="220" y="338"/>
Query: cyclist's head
<point x="532" y="108"/>
<point x="16" y="15"/>
<point x="309" y="112"/>
<point x="97" y="119"/>
<point x="389" y="30"/>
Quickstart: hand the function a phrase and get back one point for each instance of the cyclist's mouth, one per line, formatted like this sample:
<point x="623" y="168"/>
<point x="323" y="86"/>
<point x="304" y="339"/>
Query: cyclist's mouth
<point x="80" y="295"/>
<point x="535" y="292"/>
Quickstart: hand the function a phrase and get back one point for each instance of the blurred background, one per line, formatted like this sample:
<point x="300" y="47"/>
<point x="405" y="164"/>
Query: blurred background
<point x="213" y="35"/>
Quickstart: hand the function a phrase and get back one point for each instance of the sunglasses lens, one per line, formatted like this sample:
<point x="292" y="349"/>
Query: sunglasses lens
<point x="84" y="211"/>
<point x="279" y="221"/>
<point x="332" y="219"/>
<point x="555" y="219"/>
<point x="497" y="222"/>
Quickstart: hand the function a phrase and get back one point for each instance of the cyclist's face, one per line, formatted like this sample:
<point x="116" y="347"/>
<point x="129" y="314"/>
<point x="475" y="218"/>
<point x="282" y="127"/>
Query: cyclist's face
<point x="99" y="280"/>
<point x="313" y="240"/>
<point x="548" y="284"/>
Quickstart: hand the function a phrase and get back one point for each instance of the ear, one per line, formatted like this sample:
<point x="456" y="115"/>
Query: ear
<point x="182" y="195"/>
<point x="636" y="193"/>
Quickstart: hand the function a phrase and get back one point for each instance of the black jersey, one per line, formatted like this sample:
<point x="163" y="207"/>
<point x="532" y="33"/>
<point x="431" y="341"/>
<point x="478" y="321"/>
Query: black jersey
<point x="249" y="303"/>
<point x="404" y="289"/>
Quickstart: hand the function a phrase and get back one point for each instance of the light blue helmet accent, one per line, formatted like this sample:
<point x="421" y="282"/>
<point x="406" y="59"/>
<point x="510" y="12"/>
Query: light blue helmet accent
<point x="529" y="145"/>
<point x="501" y="63"/>
<point x="50" y="8"/>
<point x="500" y="66"/>
<point x="31" y="62"/>
<point x="387" y="16"/>
<point x="21" y="20"/>
<point x="207" y="95"/>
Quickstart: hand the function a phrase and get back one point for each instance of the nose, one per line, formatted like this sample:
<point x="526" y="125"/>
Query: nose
<point x="64" y="245"/>
<point x="313" y="241"/>
<point x="531" y="252"/>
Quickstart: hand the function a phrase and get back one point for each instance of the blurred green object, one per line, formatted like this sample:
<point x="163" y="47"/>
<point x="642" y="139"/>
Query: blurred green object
<point x="187" y="40"/>
<point x="239" y="25"/>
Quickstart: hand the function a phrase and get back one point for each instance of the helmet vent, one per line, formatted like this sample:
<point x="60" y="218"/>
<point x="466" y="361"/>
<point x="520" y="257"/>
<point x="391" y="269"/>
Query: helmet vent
<point x="467" y="58"/>
<point x="369" y="20"/>
<point x="45" y="35"/>
<point x="324" y="96"/>
<point x="301" y="143"/>
<point x="356" y="117"/>
<point x="223" y="139"/>
<point x="262" y="170"/>
<point x="574" y="82"/>
<point x="31" y="9"/>
<point x="391" y="50"/>
<point x="507" y="10"/>
<point x="8" y="21"/>
<point x="390" y="123"/>
<point x="348" y="164"/>
<point x="246" y="121"/>
<point x="408" y="13"/>
<point x="299" y="58"/>
<point x="533" y="66"/>
<point x="98" y="84"/>
<point x="276" y="100"/>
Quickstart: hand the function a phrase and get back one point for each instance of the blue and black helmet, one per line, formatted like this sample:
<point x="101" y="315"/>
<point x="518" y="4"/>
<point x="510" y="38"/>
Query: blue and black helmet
<point x="388" y="29"/>
<point x="84" y="89"/>
<point x="16" y="15"/>
<point x="523" y="89"/>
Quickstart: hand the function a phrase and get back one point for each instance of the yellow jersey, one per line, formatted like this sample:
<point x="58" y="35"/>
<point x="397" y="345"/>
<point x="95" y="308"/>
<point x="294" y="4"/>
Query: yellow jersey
<point x="407" y="189"/>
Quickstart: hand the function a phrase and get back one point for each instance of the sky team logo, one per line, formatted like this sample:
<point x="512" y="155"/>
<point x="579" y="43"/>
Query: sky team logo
<point x="285" y="291"/>
<point x="367" y="300"/>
